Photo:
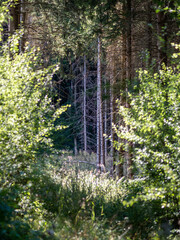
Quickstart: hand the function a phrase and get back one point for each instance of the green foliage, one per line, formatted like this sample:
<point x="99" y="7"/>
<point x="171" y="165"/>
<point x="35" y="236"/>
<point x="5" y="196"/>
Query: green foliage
<point x="12" y="226"/>
<point x="27" y="114"/>
<point x="3" y="15"/>
<point x="153" y="129"/>
<point x="27" y="117"/>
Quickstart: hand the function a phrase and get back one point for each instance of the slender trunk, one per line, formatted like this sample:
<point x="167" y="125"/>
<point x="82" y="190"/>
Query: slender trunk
<point x="84" y="110"/>
<point x="162" y="38"/>
<point x="129" y="41"/>
<point x="15" y="14"/>
<point x="18" y="15"/>
<point x="124" y="67"/>
<point x="73" y="98"/>
<point x="100" y="137"/>
<point x="112" y="118"/>
<point x="23" y="16"/>
<point x="75" y="146"/>
<point x="111" y="114"/>
<point x="128" y="156"/>
<point x="105" y="122"/>
<point x="75" y="106"/>
<point x="21" y="47"/>
<point x="150" y="33"/>
<point x="14" y="20"/>
<point x="98" y="107"/>
<point x="121" y="167"/>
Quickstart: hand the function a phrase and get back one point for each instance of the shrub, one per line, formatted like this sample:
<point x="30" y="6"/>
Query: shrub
<point x="27" y="113"/>
<point x="154" y="131"/>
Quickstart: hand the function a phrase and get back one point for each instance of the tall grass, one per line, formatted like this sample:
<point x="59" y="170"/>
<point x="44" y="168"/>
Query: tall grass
<point x="83" y="204"/>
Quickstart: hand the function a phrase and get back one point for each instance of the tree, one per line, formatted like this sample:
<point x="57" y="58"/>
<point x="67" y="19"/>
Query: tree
<point x="27" y="113"/>
<point x="85" y="127"/>
<point x="153" y="129"/>
<point x="100" y="129"/>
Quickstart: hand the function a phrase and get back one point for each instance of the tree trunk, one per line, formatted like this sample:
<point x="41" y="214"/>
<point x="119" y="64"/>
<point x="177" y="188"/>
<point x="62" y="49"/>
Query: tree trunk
<point x="128" y="156"/>
<point x="100" y="137"/>
<point x="98" y="108"/>
<point x="129" y="41"/>
<point x="14" y="23"/>
<point x="84" y="107"/>
<point x="122" y="166"/>
<point x="75" y="146"/>
<point x="162" y="38"/>
<point x="112" y="116"/>
<point x="23" y="26"/>
<point x="18" y="14"/>
<point x="75" y="106"/>
<point x="149" y="20"/>
<point x="105" y="122"/>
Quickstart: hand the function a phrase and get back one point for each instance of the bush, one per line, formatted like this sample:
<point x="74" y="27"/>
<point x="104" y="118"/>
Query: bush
<point x="12" y="226"/>
<point x="27" y="113"/>
<point x="153" y="129"/>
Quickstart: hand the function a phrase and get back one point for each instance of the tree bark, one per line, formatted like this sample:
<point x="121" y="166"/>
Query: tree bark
<point x="18" y="14"/>
<point x="149" y="15"/>
<point x="75" y="106"/>
<point x="128" y="156"/>
<point x="162" y="38"/>
<point x="98" y="108"/>
<point x="112" y="116"/>
<point x="14" y="23"/>
<point x="105" y="122"/>
<point x="100" y="137"/>
<point x="84" y="107"/>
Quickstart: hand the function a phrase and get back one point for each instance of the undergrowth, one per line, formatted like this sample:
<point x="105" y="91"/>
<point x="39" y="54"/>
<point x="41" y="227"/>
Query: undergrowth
<point x="75" y="203"/>
<point x="60" y="200"/>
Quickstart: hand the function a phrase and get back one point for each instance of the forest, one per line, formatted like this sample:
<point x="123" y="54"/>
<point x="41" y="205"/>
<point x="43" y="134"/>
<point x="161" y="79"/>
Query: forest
<point x="90" y="120"/>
